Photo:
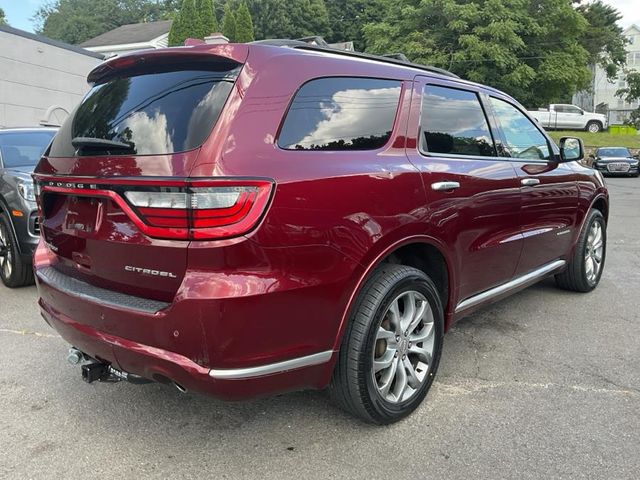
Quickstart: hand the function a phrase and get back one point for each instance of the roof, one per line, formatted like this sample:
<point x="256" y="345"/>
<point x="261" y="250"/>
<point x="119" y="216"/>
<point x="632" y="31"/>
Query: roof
<point x="49" y="41"/>
<point x="131" y="33"/>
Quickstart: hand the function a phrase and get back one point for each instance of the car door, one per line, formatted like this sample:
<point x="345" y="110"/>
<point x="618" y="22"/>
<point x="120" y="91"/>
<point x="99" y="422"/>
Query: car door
<point x="473" y="195"/>
<point x="573" y="117"/>
<point x="549" y="190"/>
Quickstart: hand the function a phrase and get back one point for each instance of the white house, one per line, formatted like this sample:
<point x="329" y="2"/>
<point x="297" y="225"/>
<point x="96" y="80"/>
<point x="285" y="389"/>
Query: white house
<point x="41" y="80"/>
<point x="602" y="97"/>
<point x="130" y="38"/>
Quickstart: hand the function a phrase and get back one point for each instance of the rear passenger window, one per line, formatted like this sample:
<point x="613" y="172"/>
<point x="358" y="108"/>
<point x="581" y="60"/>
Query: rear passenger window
<point x="341" y="114"/>
<point x="453" y="122"/>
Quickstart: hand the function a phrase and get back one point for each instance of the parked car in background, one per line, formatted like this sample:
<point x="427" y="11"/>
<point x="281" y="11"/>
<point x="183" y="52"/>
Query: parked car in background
<point x="569" y="117"/>
<point x="616" y="161"/>
<point x="220" y="219"/>
<point x="20" y="150"/>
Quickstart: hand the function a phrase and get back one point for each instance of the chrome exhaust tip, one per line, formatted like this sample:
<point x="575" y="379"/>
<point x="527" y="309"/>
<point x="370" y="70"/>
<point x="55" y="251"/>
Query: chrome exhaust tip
<point x="179" y="387"/>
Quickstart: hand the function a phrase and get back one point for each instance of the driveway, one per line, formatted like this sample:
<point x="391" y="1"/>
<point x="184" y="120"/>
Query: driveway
<point x="545" y="384"/>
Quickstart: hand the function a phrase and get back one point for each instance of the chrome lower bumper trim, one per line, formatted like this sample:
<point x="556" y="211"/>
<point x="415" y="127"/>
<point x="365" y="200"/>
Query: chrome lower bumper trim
<point x="518" y="282"/>
<point x="271" y="368"/>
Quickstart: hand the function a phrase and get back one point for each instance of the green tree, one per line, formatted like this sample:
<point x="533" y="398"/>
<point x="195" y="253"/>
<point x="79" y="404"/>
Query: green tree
<point x="531" y="50"/>
<point x="186" y="24"/>
<point x="208" y="20"/>
<point x="3" y="19"/>
<point x="229" y="23"/>
<point x="603" y="38"/>
<point x="175" y="32"/>
<point x="307" y="17"/>
<point x="631" y="94"/>
<point x="270" y="18"/>
<point x="244" y="25"/>
<point x="348" y="17"/>
<point x="74" y="21"/>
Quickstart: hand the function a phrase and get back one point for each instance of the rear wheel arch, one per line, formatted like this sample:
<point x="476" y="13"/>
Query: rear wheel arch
<point x="421" y="252"/>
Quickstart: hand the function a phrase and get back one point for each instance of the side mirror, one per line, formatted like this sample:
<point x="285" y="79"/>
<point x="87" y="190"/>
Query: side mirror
<point x="571" y="149"/>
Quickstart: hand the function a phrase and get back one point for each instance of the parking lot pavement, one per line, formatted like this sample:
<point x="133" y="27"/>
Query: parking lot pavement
<point x="545" y="384"/>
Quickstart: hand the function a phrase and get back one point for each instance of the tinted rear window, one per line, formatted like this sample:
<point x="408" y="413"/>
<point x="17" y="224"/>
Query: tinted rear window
<point x="341" y="114"/>
<point x="23" y="149"/>
<point x="453" y="122"/>
<point x="156" y="113"/>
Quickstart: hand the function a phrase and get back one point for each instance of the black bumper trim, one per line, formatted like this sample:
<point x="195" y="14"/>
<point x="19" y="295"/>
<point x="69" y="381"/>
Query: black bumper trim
<point x="78" y="288"/>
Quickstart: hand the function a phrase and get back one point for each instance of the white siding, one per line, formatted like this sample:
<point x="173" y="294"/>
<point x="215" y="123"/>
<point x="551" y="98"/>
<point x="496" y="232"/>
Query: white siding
<point x="35" y="76"/>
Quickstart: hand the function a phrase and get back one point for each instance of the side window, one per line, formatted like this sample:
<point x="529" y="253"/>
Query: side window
<point x="341" y="113"/>
<point x="452" y="121"/>
<point x="522" y="138"/>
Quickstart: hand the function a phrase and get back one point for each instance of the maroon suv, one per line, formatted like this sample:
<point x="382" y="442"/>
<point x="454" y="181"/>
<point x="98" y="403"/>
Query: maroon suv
<point x="240" y="220"/>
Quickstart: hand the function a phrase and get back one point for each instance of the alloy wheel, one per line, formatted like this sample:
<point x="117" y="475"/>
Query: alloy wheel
<point x="6" y="259"/>
<point x="404" y="347"/>
<point x="594" y="252"/>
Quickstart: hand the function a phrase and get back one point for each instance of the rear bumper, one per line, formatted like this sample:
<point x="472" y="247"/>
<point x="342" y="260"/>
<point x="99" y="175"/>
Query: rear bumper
<point x="169" y="367"/>
<point x="256" y="342"/>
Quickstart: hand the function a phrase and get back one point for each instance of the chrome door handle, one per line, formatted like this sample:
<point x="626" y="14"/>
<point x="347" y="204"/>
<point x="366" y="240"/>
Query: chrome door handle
<point x="530" y="182"/>
<point x="440" y="186"/>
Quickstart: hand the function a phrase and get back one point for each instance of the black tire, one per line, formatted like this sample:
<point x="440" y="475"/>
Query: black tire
<point x="591" y="126"/>
<point x="18" y="273"/>
<point x="575" y="277"/>
<point x="353" y="385"/>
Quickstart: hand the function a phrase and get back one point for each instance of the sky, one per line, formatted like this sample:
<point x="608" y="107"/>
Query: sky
<point x="19" y="12"/>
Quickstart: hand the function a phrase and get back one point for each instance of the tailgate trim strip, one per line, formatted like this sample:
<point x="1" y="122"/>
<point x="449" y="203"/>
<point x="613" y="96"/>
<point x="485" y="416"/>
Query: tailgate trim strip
<point x="78" y="288"/>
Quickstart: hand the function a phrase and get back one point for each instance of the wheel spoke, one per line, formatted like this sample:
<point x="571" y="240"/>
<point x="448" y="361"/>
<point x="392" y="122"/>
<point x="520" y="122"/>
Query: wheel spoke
<point x="409" y="310"/>
<point x="384" y="361"/>
<point x="412" y="378"/>
<point x="423" y="334"/>
<point x="394" y="316"/>
<point x="387" y="378"/>
<point x="423" y="354"/>
<point x="401" y="382"/>
<point x="386" y="335"/>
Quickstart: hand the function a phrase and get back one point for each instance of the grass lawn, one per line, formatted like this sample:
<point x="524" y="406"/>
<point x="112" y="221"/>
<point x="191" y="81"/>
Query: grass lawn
<point x="602" y="139"/>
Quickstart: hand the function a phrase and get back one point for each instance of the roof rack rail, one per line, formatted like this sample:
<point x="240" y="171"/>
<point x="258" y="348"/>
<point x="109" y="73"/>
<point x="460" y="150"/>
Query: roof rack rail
<point x="395" y="58"/>
<point x="317" y="43"/>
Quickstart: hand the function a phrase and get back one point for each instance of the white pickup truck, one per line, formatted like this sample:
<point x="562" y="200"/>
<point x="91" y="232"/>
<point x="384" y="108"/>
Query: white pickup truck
<point x="569" y="117"/>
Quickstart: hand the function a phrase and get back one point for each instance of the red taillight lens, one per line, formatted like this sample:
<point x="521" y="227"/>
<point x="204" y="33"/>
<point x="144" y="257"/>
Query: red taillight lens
<point x="203" y="210"/>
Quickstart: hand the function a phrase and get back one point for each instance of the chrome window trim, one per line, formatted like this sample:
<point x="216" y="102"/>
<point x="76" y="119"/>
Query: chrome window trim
<point x="271" y="368"/>
<point x="510" y="285"/>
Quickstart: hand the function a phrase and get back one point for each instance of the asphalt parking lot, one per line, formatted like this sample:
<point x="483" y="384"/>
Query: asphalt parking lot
<point x="545" y="384"/>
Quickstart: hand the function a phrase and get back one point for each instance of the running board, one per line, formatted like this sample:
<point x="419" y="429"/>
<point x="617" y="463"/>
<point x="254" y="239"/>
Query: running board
<point x="514" y="284"/>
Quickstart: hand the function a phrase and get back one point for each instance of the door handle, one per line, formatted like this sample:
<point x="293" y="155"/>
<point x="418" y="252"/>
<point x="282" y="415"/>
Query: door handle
<point x="530" y="182"/>
<point x="442" y="186"/>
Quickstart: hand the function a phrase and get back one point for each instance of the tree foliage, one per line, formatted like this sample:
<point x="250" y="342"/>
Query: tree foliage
<point x="3" y="19"/>
<point x="244" y="25"/>
<point x="208" y="20"/>
<point x="74" y="21"/>
<point x="631" y="94"/>
<point x="229" y="23"/>
<point x="348" y="17"/>
<point x="603" y="38"/>
<point x="186" y="24"/>
<point x="531" y="50"/>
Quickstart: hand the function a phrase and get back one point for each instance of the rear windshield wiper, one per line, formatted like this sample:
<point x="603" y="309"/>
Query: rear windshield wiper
<point x="102" y="144"/>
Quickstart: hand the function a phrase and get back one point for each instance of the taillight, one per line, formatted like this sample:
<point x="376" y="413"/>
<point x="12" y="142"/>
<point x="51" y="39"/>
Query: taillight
<point x="204" y="212"/>
<point x="178" y="209"/>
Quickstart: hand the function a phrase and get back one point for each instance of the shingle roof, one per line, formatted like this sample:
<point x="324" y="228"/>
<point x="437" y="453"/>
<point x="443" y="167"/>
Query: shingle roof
<point x="49" y="41"/>
<point x="132" y="33"/>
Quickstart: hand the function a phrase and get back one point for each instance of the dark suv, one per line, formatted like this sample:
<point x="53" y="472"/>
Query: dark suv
<point x="20" y="150"/>
<point x="247" y="219"/>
